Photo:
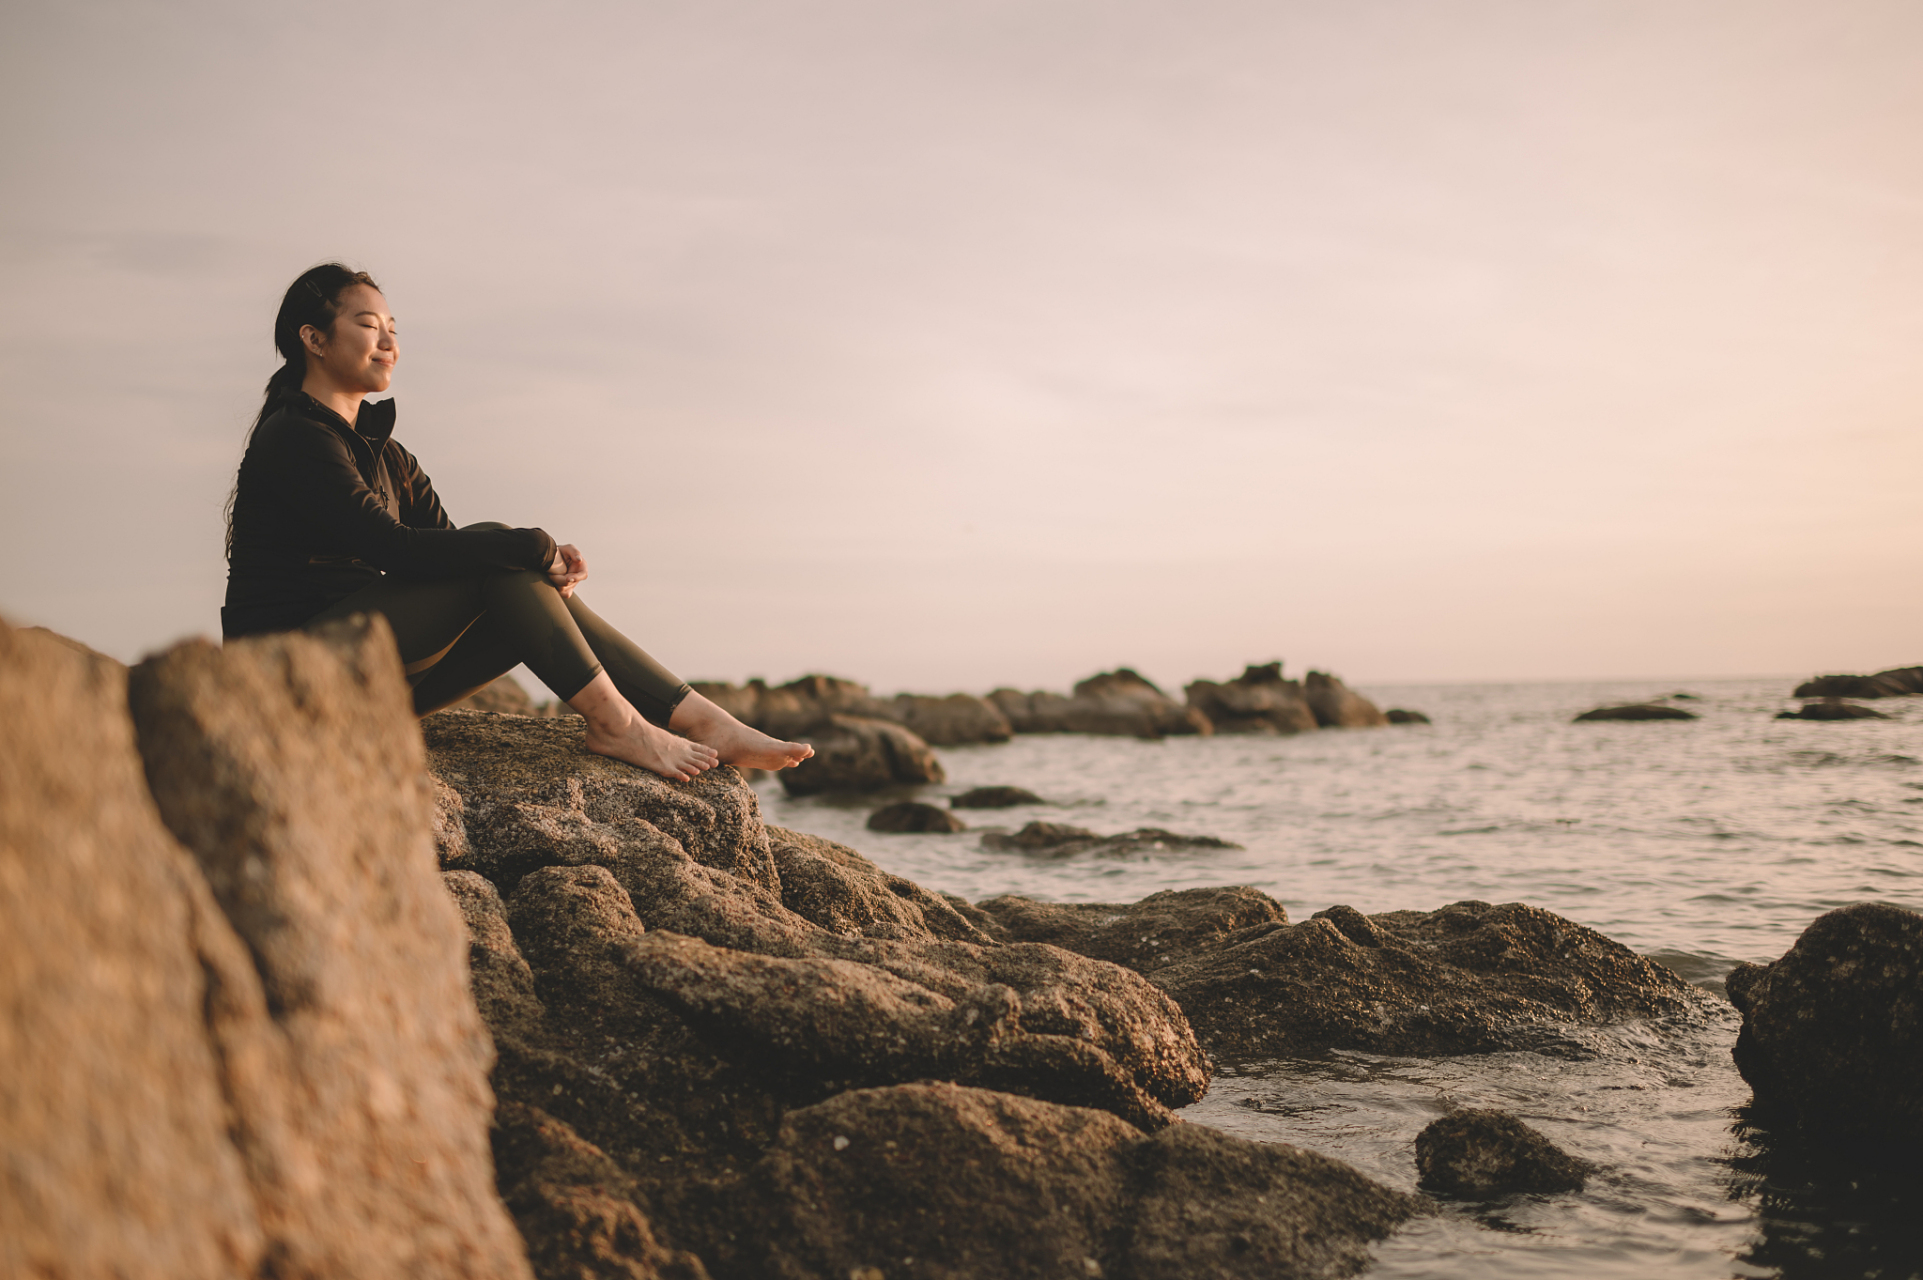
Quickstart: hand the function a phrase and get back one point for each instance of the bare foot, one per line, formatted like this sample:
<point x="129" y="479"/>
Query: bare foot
<point x="733" y="741"/>
<point x="617" y="730"/>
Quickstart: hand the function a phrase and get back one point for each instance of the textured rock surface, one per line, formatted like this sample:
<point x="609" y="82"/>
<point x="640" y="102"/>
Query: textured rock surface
<point x="291" y="768"/>
<point x="1119" y="703"/>
<point x="1832" y="709"/>
<point x="1337" y="706"/>
<point x="120" y="986"/>
<point x="994" y="798"/>
<point x="911" y="815"/>
<point x="1024" y="1189"/>
<point x="1059" y="840"/>
<point x="859" y="753"/>
<point x="1833" y="1031"/>
<point x="1257" y="701"/>
<point x="1636" y="711"/>
<point x="1895" y="683"/>
<point x="1470" y="978"/>
<point x="1481" y="1154"/>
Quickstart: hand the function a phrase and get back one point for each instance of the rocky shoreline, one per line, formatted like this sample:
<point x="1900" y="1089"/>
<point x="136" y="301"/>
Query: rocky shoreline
<point x="295" y="988"/>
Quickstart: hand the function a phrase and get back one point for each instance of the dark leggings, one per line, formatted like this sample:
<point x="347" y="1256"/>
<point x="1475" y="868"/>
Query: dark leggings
<point x="458" y="634"/>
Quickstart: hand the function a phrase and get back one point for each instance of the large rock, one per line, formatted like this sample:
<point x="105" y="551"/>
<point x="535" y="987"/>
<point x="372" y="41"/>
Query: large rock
<point x="291" y="768"/>
<point x="1470" y="978"/>
<point x="122" y="994"/>
<point x="1023" y="1189"/>
<point x="1117" y="703"/>
<point x="951" y="721"/>
<point x="1832" y="709"/>
<point x="1257" y="701"/>
<point x="1833" y="1030"/>
<point x="1636" y="711"/>
<point x="1895" y="683"/>
<point x="1479" y="1154"/>
<point x="857" y="754"/>
<point x="1337" y="706"/>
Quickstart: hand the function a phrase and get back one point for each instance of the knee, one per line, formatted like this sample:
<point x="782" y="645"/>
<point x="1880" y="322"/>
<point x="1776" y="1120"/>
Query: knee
<point x="486" y="525"/>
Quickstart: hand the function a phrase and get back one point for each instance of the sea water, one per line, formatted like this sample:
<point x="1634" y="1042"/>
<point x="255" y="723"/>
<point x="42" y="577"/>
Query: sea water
<point x="1698" y="843"/>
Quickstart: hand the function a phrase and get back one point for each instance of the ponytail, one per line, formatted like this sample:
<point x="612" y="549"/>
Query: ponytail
<point x="313" y="299"/>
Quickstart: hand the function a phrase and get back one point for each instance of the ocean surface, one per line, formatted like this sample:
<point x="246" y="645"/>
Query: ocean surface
<point x="1699" y="843"/>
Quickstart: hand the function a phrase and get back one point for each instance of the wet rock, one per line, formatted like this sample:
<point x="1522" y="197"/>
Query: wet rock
<point x="1482" y="1154"/>
<point x="1470" y="978"/>
<point x="951" y="721"/>
<point x="1895" y="683"/>
<point x="1025" y="1189"/>
<point x="291" y="768"/>
<point x="1832" y="709"/>
<point x="1833" y="1030"/>
<point x="122" y="993"/>
<point x="910" y="815"/>
<point x="1059" y="840"/>
<point x="1119" y="703"/>
<point x="1257" y="701"/>
<point x="1636" y="711"/>
<point x="1337" y="706"/>
<point x="994" y="798"/>
<point x="1399" y="715"/>
<point x="856" y="754"/>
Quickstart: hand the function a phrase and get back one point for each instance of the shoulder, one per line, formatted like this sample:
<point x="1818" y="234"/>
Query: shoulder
<point x="289" y="434"/>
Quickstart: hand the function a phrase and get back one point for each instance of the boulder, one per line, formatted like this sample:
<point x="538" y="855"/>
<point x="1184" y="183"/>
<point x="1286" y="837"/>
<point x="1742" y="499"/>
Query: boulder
<point x="1636" y="711"/>
<point x="1024" y="1189"/>
<point x="1336" y="706"/>
<point x="1118" y="703"/>
<point x="1469" y="978"/>
<point x="291" y="768"/>
<point x="994" y="798"/>
<point x="951" y="721"/>
<point x="1833" y="1030"/>
<point x="857" y="754"/>
<point x="910" y="815"/>
<point x="1832" y="709"/>
<point x="1059" y="840"/>
<point x="1397" y="715"/>
<point x="1895" y="683"/>
<point x="1479" y="1154"/>
<point x="1257" y="701"/>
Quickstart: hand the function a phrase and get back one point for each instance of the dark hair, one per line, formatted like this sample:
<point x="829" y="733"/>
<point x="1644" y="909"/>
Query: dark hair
<point x="314" y="298"/>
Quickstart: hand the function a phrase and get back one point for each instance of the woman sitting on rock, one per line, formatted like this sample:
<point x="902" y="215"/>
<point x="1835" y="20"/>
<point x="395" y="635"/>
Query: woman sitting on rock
<point x="331" y="516"/>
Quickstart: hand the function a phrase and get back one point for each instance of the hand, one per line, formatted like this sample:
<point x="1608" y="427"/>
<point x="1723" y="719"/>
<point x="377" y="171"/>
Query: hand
<point x="568" y="570"/>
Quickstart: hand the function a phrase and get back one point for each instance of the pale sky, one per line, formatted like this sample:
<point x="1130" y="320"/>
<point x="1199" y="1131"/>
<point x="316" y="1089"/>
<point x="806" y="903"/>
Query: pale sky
<point x="948" y="345"/>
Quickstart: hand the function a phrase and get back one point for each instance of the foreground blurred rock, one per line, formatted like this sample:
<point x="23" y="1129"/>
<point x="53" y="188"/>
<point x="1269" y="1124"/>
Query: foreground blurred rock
<point x="1469" y="978"/>
<point x="260" y="1059"/>
<point x="1833" y="1031"/>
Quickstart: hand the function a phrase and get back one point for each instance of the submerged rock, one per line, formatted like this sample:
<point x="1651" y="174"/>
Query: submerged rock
<point x="1895" y="683"/>
<point x="1832" y="709"/>
<point x="994" y="798"/>
<point x="856" y="754"/>
<point x="1059" y="840"/>
<point x="1257" y="701"/>
<point x="911" y="815"/>
<point x="1480" y="1154"/>
<point x="1833" y="1030"/>
<point x="1399" y="715"/>
<point x="1636" y="711"/>
<point x="1469" y="978"/>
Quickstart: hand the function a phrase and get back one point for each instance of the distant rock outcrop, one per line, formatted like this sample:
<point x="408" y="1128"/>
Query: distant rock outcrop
<point x="952" y="721"/>
<point x="856" y="754"/>
<point x="994" y="798"/>
<point x="1636" y="711"/>
<point x="1059" y="840"/>
<point x="1479" y="1154"/>
<point x="1832" y="709"/>
<point x="1895" y="683"/>
<point x="1337" y="706"/>
<point x="911" y="815"/>
<point x="1833" y="1030"/>
<point x="794" y="708"/>
<point x="1257" y="701"/>
<point x="1397" y="715"/>
<point x="1119" y="703"/>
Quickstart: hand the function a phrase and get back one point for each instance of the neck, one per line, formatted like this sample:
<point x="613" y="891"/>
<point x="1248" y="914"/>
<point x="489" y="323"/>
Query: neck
<point x="336" y="397"/>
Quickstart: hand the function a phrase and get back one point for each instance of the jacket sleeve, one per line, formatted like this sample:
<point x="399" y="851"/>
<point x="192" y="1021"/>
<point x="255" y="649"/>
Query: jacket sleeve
<point x="324" y="490"/>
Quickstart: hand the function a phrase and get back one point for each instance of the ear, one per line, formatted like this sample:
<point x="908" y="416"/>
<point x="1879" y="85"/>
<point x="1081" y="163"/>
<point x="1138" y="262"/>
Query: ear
<point x="312" y="339"/>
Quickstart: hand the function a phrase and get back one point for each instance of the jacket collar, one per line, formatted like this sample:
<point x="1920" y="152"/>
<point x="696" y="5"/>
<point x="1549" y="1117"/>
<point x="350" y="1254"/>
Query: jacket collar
<point x="375" y="424"/>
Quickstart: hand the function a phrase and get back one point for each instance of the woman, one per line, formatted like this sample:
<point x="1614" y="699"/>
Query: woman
<point x="330" y="516"/>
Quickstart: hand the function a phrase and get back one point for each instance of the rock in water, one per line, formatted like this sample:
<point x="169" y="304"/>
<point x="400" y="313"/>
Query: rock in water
<point x="995" y="798"/>
<point x="936" y="1179"/>
<point x="1636" y="711"/>
<point x="910" y="815"/>
<point x="1896" y="683"/>
<point x="1833" y="1031"/>
<point x="1257" y="701"/>
<point x="952" y="721"/>
<point x="1398" y="715"/>
<point x="1118" y="703"/>
<point x="1481" y="1154"/>
<point x="1337" y="706"/>
<point x="130" y="1017"/>
<point x="856" y="754"/>
<point x="1832" y="709"/>
<point x="1059" y="840"/>
<point x="291" y="768"/>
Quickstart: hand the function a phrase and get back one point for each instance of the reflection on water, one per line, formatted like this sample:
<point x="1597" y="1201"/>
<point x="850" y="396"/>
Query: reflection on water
<point x="1699" y="843"/>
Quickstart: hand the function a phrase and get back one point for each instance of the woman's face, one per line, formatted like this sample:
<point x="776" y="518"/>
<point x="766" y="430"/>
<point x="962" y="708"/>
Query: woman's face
<point x="359" y="352"/>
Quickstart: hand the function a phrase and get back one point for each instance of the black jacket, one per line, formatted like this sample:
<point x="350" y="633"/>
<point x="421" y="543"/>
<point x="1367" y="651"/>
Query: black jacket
<point x="322" y="509"/>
